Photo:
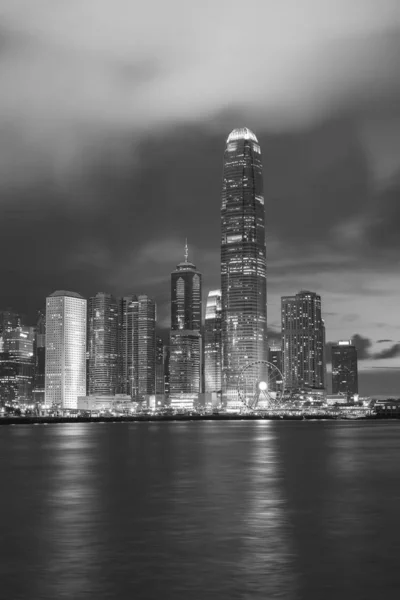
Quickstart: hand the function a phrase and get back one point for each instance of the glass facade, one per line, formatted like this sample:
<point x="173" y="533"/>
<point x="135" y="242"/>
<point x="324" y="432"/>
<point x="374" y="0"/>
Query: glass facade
<point x="184" y="367"/>
<point x="137" y="346"/>
<point x="102" y="345"/>
<point x="303" y="336"/>
<point x="65" y="379"/>
<point x="213" y="343"/>
<point x="186" y="297"/>
<point x="243" y="260"/>
<point x="17" y="364"/>
<point x="344" y="369"/>
<point x="160" y="383"/>
<point x="185" y="347"/>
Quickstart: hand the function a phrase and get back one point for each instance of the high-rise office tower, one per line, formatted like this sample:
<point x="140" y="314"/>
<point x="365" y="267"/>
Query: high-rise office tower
<point x="9" y="319"/>
<point x="185" y="359"/>
<point x="303" y="341"/>
<point x="39" y="353"/>
<point x="186" y="296"/>
<point x="65" y="378"/>
<point x="17" y="364"/>
<point x="344" y="369"/>
<point x="160" y="383"/>
<point x="243" y="260"/>
<point x="185" y="367"/>
<point x="137" y="346"/>
<point x="213" y="343"/>
<point x="102" y="345"/>
<point x="166" y="370"/>
<point x="275" y="358"/>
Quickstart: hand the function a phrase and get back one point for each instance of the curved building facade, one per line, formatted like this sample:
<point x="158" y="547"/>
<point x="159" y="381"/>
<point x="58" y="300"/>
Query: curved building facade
<point x="243" y="260"/>
<point x="65" y="365"/>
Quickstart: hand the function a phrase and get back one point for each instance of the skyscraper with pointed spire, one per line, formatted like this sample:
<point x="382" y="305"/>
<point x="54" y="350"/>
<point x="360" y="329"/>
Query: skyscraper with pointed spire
<point x="243" y="261"/>
<point x="185" y="338"/>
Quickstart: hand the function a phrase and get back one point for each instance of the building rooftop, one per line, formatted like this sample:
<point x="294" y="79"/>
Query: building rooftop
<point x="65" y="293"/>
<point x="185" y="266"/>
<point x="243" y="133"/>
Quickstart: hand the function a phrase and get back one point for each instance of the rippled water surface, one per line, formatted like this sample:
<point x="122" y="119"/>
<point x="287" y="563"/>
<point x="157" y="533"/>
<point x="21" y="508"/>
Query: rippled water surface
<point x="205" y="510"/>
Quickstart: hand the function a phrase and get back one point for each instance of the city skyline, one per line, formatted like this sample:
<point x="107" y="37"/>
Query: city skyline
<point x="129" y="146"/>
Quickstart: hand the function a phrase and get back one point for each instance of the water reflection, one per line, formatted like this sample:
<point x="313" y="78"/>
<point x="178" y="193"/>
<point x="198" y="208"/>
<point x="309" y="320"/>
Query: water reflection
<point x="70" y="529"/>
<point x="200" y="510"/>
<point x="267" y="562"/>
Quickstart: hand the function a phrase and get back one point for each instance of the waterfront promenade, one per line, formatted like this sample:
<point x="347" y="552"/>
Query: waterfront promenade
<point x="33" y="420"/>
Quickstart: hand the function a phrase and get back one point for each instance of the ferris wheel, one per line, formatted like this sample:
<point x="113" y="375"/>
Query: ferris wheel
<point x="260" y="385"/>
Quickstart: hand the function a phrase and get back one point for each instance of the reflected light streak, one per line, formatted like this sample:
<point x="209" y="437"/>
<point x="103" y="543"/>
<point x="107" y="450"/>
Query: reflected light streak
<point x="268" y="554"/>
<point x="72" y="501"/>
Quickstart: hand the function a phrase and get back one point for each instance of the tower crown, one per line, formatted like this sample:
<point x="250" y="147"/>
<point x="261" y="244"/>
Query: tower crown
<point x="242" y="133"/>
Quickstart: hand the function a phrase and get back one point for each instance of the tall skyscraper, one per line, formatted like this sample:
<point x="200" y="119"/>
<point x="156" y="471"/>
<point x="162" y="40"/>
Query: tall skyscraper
<point x="65" y="349"/>
<point x="102" y="345"/>
<point x="39" y="353"/>
<point x="17" y="364"/>
<point x="344" y="369"/>
<point x="166" y="370"/>
<point x="275" y="358"/>
<point x="185" y="367"/>
<point x="160" y="383"/>
<point x="137" y="346"/>
<point x="185" y="360"/>
<point x="243" y="261"/>
<point x="186" y="296"/>
<point x="303" y="341"/>
<point x="213" y="343"/>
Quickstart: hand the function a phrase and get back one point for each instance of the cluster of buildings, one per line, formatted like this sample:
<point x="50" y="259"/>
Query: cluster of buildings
<point x="85" y="351"/>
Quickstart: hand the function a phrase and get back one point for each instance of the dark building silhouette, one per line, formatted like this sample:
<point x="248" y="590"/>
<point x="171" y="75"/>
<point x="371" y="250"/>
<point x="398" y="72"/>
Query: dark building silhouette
<point x="243" y="260"/>
<point x="213" y="343"/>
<point x="137" y="346"/>
<point x="166" y="370"/>
<point x="39" y="354"/>
<point x="102" y="345"/>
<point x="344" y="369"/>
<point x="275" y="358"/>
<point x="303" y="335"/>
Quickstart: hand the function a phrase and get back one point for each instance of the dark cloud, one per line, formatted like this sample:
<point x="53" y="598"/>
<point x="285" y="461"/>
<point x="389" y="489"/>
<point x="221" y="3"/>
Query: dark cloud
<point x="391" y="352"/>
<point x="363" y="345"/>
<point x="121" y="226"/>
<point x="384" y="219"/>
<point x="350" y="318"/>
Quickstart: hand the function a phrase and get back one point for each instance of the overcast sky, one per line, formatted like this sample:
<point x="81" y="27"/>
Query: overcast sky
<point x="113" y="120"/>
